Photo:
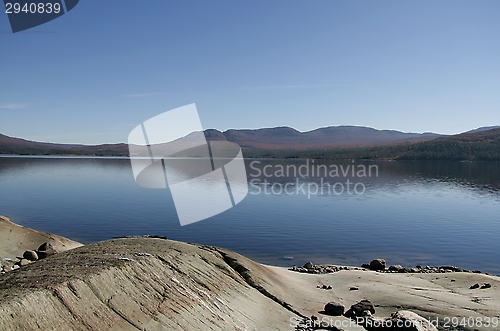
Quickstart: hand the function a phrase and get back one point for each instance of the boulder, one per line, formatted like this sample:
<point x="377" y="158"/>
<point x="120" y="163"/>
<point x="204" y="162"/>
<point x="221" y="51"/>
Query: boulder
<point x="377" y="264"/>
<point x="30" y="255"/>
<point x="45" y="249"/>
<point x="334" y="309"/>
<point x="358" y="309"/>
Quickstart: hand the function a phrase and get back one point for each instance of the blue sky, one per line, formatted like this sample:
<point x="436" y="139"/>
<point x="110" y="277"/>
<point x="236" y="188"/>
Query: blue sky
<point x="95" y="73"/>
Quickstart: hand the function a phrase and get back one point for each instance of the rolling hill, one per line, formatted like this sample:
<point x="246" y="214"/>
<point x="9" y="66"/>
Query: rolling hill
<point x="329" y="137"/>
<point x="479" y="145"/>
<point x="9" y="145"/>
<point x="330" y="142"/>
<point x="280" y="138"/>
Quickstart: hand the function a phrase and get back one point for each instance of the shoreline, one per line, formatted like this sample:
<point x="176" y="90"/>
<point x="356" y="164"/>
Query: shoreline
<point x="262" y="296"/>
<point x="121" y="157"/>
<point x="287" y="262"/>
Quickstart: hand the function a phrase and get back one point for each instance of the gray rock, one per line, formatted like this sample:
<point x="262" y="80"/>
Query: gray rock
<point x="23" y="262"/>
<point x="44" y="254"/>
<point x="377" y="264"/>
<point x="334" y="308"/>
<point x="473" y="287"/>
<point x="396" y="268"/>
<point x="45" y="249"/>
<point x="357" y="310"/>
<point x="30" y="255"/>
<point x="485" y="286"/>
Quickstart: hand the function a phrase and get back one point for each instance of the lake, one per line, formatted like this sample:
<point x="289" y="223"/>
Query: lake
<point x="409" y="213"/>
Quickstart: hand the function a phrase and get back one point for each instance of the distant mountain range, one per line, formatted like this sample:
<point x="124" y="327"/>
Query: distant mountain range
<point x="329" y="137"/>
<point x="333" y="141"/>
<point x="476" y="145"/>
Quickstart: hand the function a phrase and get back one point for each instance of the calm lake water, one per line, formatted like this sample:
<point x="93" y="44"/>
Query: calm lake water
<point x="429" y="213"/>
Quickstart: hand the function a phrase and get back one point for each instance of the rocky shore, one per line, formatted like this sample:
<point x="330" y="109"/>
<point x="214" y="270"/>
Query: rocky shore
<point x="20" y="246"/>
<point x="143" y="283"/>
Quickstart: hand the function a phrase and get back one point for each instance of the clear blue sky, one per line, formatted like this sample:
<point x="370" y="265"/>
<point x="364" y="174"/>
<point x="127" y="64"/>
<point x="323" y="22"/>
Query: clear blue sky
<point x="95" y="73"/>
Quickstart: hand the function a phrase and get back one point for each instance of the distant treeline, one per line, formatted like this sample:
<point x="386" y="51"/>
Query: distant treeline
<point x="479" y="146"/>
<point x="483" y="146"/>
<point x="84" y="151"/>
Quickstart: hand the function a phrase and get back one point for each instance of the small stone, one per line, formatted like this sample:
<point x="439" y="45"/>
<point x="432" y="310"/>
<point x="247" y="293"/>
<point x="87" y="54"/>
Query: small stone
<point x="334" y="308"/>
<point x="23" y="262"/>
<point x="30" y="255"/>
<point x="485" y="286"/>
<point x="353" y="288"/>
<point x="475" y="286"/>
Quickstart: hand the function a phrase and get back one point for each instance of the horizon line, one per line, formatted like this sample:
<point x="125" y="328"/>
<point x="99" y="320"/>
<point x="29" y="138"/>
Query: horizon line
<point x="263" y="128"/>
